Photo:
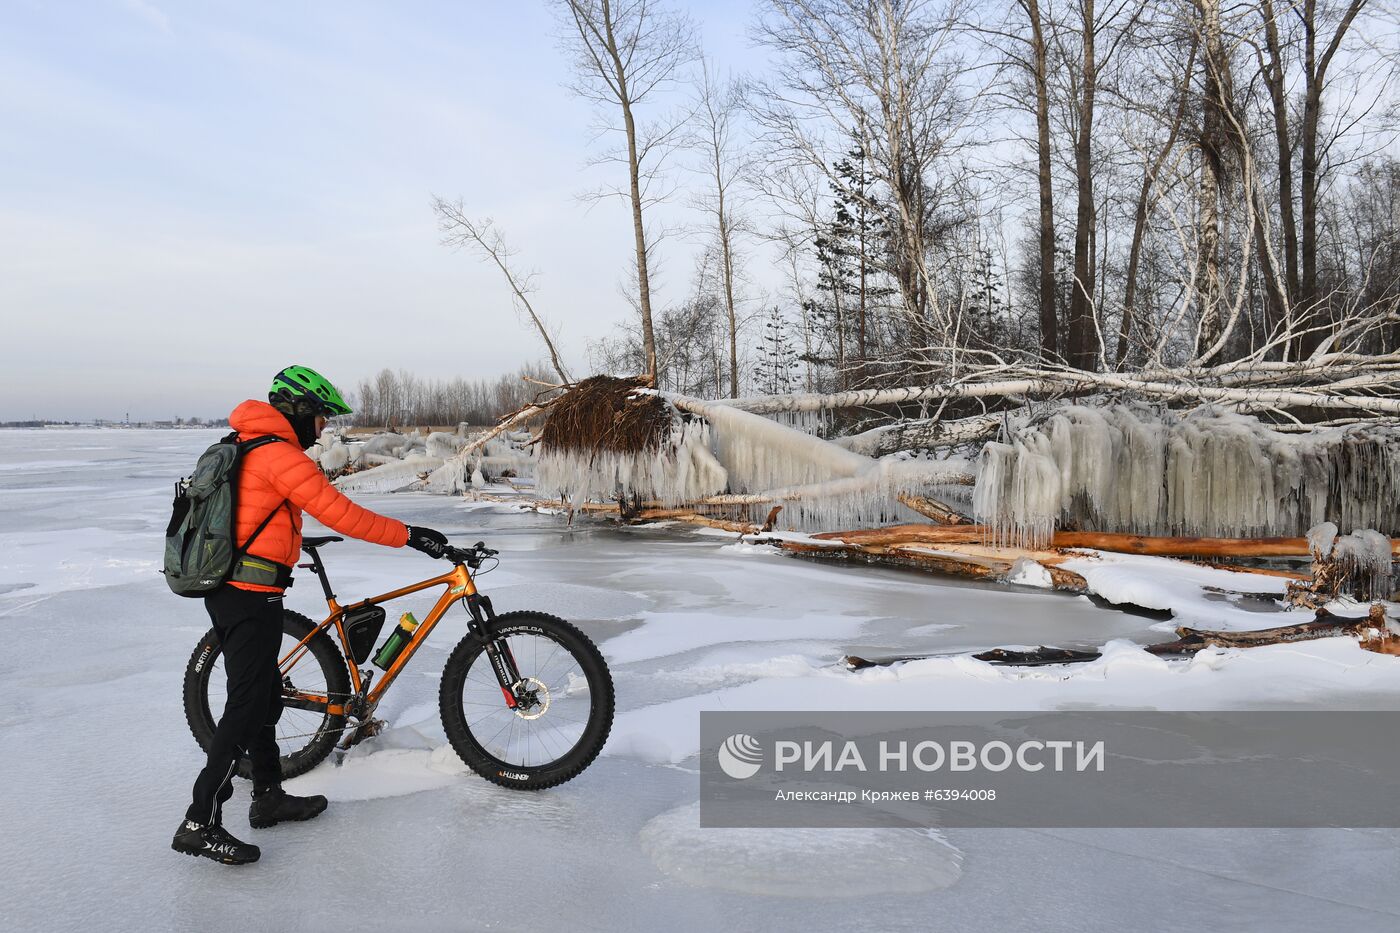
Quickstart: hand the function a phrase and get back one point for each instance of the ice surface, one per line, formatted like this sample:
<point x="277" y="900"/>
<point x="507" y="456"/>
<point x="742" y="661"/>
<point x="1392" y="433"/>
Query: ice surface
<point x="97" y="759"/>
<point x="800" y="863"/>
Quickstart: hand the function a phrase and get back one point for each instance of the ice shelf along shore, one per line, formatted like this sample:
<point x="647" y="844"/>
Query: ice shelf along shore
<point x="1146" y="471"/>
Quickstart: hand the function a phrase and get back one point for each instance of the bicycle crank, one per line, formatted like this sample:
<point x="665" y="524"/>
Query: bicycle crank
<point x="365" y="730"/>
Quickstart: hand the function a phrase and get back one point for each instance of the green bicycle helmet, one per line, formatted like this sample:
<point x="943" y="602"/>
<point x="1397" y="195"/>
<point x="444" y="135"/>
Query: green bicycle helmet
<point x="303" y="382"/>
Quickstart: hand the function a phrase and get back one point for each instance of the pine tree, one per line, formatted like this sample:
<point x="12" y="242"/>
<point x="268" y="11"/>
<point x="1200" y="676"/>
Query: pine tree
<point x="986" y="311"/>
<point x="775" y="372"/>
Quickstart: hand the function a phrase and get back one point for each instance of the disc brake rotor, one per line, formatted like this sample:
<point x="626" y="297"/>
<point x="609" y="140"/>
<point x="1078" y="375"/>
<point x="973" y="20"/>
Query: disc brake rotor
<point x="541" y="698"/>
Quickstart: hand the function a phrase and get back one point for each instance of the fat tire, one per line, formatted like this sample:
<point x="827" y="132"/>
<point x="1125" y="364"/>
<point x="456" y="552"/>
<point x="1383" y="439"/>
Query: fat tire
<point x="595" y="733"/>
<point x="201" y="719"/>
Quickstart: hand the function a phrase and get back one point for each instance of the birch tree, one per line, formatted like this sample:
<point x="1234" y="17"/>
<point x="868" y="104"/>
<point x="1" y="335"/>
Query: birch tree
<point x="625" y="54"/>
<point x="885" y="72"/>
<point x="714" y="134"/>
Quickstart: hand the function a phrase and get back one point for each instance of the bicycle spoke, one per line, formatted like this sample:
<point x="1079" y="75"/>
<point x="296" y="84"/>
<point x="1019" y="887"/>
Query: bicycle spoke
<point x="537" y="734"/>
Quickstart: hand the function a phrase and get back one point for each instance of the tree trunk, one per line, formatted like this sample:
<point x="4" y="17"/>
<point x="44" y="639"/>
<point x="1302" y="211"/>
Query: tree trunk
<point x="634" y="172"/>
<point x="1140" y="212"/>
<point x="1315" y="75"/>
<point x="1049" y="331"/>
<point x="1278" y="96"/>
<point x="1212" y="147"/>
<point x="728" y="259"/>
<point x="1082" y="353"/>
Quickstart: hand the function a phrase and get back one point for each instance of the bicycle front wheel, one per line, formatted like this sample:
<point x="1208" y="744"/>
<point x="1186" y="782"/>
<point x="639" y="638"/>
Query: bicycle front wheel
<point x="553" y="737"/>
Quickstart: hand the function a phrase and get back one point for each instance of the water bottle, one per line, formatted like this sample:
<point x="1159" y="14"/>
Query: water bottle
<point x="400" y="636"/>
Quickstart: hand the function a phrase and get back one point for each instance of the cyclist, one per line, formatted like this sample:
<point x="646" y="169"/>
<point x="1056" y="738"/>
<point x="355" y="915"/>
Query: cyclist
<point x="276" y="479"/>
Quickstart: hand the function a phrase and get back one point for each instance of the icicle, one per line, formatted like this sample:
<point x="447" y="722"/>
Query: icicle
<point x="683" y="470"/>
<point x="1134" y="470"/>
<point x="1364" y="558"/>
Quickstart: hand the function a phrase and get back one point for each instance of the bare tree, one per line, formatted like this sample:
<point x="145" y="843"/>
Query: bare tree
<point x="626" y="51"/>
<point x="1147" y="194"/>
<point x="713" y="135"/>
<point x="1315" y="18"/>
<point x="462" y="232"/>
<point x="884" y="72"/>
<point x="1036" y="62"/>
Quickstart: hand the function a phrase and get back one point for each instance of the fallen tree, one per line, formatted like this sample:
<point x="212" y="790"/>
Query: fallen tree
<point x="1097" y="540"/>
<point x="1371" y="629"/>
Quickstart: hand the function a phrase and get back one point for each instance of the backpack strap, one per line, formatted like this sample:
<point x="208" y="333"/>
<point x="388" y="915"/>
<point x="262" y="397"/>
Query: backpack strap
<point x="283" y="572"/>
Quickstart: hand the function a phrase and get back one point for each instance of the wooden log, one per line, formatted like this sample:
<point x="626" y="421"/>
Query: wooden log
<point x="1324" y="625"/>
<point x="909" y="534"/>
<point x="940" y="512"/>
<point x="1187" y="547"/>
<point x="976" y="562"/>
<point x="1154" y="546"/>
<point x="941" y="563"/>
<point x="694" y="518"/>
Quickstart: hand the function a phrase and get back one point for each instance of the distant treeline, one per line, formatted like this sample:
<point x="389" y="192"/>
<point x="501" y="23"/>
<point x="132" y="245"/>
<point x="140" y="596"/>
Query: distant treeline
<point x="402" y="399"/>
<point x="102" y="423"/>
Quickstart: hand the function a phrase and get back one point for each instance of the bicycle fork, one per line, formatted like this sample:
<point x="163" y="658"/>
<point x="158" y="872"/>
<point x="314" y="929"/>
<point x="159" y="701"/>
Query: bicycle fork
<point x="497" y="649"/>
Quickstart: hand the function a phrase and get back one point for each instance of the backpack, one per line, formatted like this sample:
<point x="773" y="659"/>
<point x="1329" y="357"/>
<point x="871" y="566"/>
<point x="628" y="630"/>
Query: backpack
<point x="201" y="550"/>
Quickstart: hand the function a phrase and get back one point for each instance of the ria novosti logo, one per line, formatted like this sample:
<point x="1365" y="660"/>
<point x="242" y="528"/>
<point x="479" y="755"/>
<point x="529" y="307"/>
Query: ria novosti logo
<point x="740" y="756"/>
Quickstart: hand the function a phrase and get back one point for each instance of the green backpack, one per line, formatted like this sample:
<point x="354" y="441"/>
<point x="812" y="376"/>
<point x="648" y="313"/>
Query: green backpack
<point x="201" y="551"/>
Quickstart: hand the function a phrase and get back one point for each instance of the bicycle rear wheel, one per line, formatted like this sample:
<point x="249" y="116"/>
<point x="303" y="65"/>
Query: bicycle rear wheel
<point x="305" y="737"/>
<point x="552" y="738"/>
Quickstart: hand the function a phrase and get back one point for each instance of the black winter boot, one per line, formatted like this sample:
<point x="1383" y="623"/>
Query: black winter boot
<point x="212" y="841"/>
<point x="274" y="805"/>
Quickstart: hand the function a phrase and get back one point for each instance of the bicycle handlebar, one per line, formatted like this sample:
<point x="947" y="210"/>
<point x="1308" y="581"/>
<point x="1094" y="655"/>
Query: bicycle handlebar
<point x="472" y="556"/>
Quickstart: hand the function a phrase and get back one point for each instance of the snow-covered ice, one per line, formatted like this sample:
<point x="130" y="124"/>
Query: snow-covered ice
<point x="96" y="760"/>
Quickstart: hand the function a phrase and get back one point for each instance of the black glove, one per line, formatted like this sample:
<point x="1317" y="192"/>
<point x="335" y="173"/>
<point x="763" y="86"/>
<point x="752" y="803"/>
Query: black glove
<point x="430" y="542"/>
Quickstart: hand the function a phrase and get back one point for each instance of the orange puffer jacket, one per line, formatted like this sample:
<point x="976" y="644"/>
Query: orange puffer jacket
<point x="274" y="474"/>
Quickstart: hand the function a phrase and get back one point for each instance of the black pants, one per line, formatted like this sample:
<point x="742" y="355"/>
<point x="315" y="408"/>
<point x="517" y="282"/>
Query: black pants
<point x="249" y="625"/>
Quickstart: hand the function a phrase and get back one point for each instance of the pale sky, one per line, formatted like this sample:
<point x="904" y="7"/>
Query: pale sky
<point x="195" y="194"/>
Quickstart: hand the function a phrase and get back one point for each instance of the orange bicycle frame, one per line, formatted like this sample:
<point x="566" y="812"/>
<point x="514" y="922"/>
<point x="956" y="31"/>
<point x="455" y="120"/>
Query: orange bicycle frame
<point x="459" y="585"/>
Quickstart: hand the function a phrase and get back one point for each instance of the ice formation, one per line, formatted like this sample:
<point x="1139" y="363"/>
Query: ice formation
<point x="507" y="454"/>
<point x="1139" y="470"/>
<point x="443" y="445"/>
<point x="335" y="458"/>
<point x="385" y="444"/>
<point x="389" y="477"/>
<point x="819" y="485"/>
<point x="683" y="469"/>
<point x="1362" y="561"/>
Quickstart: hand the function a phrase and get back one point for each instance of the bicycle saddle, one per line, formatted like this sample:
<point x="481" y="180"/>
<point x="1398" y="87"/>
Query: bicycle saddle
<point x="309" y="543"/>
